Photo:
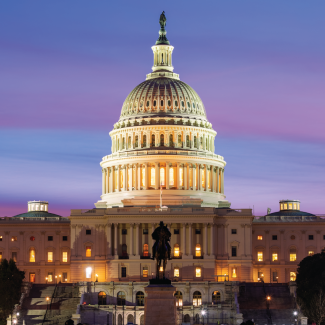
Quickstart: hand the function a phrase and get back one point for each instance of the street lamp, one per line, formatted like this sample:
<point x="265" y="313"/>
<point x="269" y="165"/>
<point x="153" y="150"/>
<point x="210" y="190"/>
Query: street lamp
<point x="46" y="280"/>
<point x="96" y="277"/>
<point x="268" y="298"/>
<point x="295" y="313"/>
<point x="277" y="278"/>
<point x="203" y="312"/>
<point x="15" y="321"/>
<point x="47" y="301"/>
<point x="60" y="278"/>
<point x="56" y="278"/>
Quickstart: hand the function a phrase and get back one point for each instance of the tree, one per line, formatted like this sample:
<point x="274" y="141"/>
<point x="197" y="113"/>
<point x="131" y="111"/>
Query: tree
<point x="11" y="280"/>
<point x="311" y="287"/>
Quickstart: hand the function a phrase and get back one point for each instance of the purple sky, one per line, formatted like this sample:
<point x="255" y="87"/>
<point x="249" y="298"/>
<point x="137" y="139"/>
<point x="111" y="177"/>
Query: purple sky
<point x="67" y="66"/>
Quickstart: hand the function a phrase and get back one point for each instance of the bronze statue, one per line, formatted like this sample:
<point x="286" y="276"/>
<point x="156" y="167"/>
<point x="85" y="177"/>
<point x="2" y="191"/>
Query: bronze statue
<point x="161" y="249"/>
<point x="162" y="20"/>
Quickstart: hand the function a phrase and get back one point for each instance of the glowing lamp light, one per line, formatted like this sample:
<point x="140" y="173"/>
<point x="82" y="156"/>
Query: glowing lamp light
<point x="268" y="298"/>
<point x="203" y="312"/>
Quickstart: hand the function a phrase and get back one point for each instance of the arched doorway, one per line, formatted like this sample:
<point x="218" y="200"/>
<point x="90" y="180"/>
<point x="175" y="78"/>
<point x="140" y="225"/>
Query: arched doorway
<point x="121" y="298"/>
<point x="140" y="298"/>
<point x="101" y="298"/>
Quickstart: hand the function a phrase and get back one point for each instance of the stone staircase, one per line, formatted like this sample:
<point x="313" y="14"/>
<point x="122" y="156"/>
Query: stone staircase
<point x="36" y="310"/>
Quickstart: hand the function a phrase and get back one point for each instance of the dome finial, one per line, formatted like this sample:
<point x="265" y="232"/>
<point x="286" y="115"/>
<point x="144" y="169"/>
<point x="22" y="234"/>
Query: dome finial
<point x="162" y="33"/>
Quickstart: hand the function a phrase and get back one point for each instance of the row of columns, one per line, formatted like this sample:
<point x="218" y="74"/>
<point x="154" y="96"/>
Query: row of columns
<point x="139" y="178"/>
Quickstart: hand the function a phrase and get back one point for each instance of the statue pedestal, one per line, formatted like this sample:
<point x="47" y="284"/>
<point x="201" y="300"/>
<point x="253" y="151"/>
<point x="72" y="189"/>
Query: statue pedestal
<point x="160" y="305"/>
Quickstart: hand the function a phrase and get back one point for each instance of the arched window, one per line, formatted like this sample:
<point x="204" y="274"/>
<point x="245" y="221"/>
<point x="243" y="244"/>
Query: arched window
<point x="119" y="319"/>
<point x="162" y="176"/>
<point x="145" y="250"/>
<point x="197" y="298"/>
<point x="179" y="298"/>
<point x="188" y="141"/>
<point x="172" y="181"/>
<point x="162" y="140"/>
<point x="198" y="250"/>
<point x="121" y="298"/>
<point x="153" y="176"/>
<point x="195" y="142"/>
<point x="171" y="140"/>
<point x="140" y="298"/>
<point x="124" y="250"/>
<point x="130" y="319"/>
<point x="176" y="250"/>
<point x="216" y="297"/>
<point x="32" y="255"/>
<point x="187" y="318"/>
<point x="161" y="103"/>
<point x="136" y="141"/>
<point x="153" y="140"/>
<point x="144" y="141"/>
<point x="179" y="140"/>
<point x="101" y="298"/>
<point x="129" y="143"/>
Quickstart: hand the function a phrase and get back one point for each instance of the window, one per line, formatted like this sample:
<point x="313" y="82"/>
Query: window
<point x="31" y="277"/>
<point x="260" y="275"/>
<point x="198" y="250"/>
<point x="145" y="250"/>
<point x="101" y="298"/>
<point x="49" y="238"/>
<point x="124" y="231"/>
<point x="161" y="269"/>
<point x="197" y="298"/>
<point x="274" y="237"/>
<point x="124" y="250"/>
<point x="64" y="257"/>
<point x="293" y="254"/>
<point x="310" y="237"/>
<point x="65" y="277"/>
<point x="50" y="257"/>
<point x="145" y="231"/>
<point x="88" y="272"/>
<point x="176" y="231"/>
<point x="0" y="256"/>
<point x="275" y="276"/>
<point x="32" y="238"/>
<point x="171" y="140"/>
<point x="123" y="272"/>
<point x="234" y="272"/>
<point x="197" y="231"/>
<point x="292" y="276"/>
<point x="121" y="298"/>
<point x="198" y="272"/>
<point x="144" y="141"/>
<point x="88" y="251"/>
<point x="14" y="238"/>
<point x="50" y="277"/>
<point x="233" y="251"/>
<point x="260" y="256"/>
<point x="176" y="272"/>
<point x="179" y="298"/>
<point x="233" y="231"/>
<point x="162" y="140"/>
<point x="14" y="256"/>
<point x="32" y="255"/>
<point x="310" y="253"/>
<point x="88" y="231"/>
<point x="259" y="237"/>
<point x="1" y="238"/>
<point x="145" y="272"/>
<point x="274" y="257"/>
<point x="216" y="297"/>
<point x="176" y="250"/>
<point x="293" y="237"/>
<point x="162" y="176"/>
<point x="140" y="298"/>
<point x="64" y="238"/>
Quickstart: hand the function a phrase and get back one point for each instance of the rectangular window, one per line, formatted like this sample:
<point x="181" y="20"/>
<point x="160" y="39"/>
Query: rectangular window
<point x="176" y="251"/>
<point x="88" y="251"/>
<point x="176" y="231"/>
<point x="64" y="238"/>
<point x="197" y="231"/>
<point x="259" y="237"/>
<point x="310" y="237"/>
<point x="292" y="276"/>
<point x="274" y="237"/>
<point x="50" y="277"/>
<point x="260" y="275"/>
<point x="64" y="257"/>
<point x="14" y="256"/>
<point x="88" y="272"/>
<point x="285" y="206"/>
<point x="64" y="277"/>
<point x="145" y="231"/>
<point x="49" y="238"/>
<point x="274" y="257"/>
<point x="234" y="272"/>
<point x="233" y="231"/>
<point x="293" y="257"/>
<point x="50" y="257"/>
<point x="260" y="256"/>
<point x="310" y="253"/>
<point x="198" y="272"/>
<point x="145" y="272"/>
<point x="233" y="251"/>
<point x="176" y="272"/>
<point x="123" y="272"/>
<point x="124" y="232"/>
<point x="32" y="255"/>
<point x="14" y="238"/>
<point x="275" y="276"/>
<point x="88" y="231"/>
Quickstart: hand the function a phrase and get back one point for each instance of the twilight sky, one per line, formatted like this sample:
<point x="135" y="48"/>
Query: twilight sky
<point x="67" y="66"/>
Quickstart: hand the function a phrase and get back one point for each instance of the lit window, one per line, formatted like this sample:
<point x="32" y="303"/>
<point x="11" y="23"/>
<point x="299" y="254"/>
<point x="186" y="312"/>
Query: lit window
<point x="216" y="297"/>
<point x="14" y="256"/>
<point x="281" y="207"/>
<point x="176" y="272"/>
<point x="197" y="298"/>
<point x="274" y="257"/>
<point x="292" y="276"/>
<point x="153" y="176"/>
<point x="198" y="272"/>
<point x="293" y="255"/>
<point x="285" y="206"/>
<point x="50" y="277"/>
<point x="121" y="178"/>
<point x="203" y="178"/>
<point x="290" y="206"/>
<point x="181" y="180"/>
<point x="143" y="170"/>
<point x="50" y="257"/>
<point x="64" y="256"/>
<point x="259" y="237"/>
<point x="234" y="273"/>
<point x="162" y="176"/>
<point x="0" y="238"/>
<point x="145" y="250"/>
<point x="295" y="206"/>
<point x="32" y="255"/>
<point x="179" y="298"/>
<point x="176" y="250"/>
<point x="298" y="206"/>
<point x="115" y="178"/>
<point x="171" y="176"/>
<point x="198" y="250"/>
<point x="14" y="238"/>
<point x="88" y="251"/>
<point x="208" y="179"/>
<point x="0" y="256"/>
<point x="161" y="269"/>
<point x="145" y="272"/>
<point x="310" y="253"/>
<point x="88" y="272"/>
<point x="260" y="256"/>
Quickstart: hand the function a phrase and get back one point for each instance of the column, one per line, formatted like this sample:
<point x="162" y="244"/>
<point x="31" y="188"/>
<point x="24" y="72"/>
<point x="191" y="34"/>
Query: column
<point x="115" y="240"/>
<point x="111" y="176"/>
<point x="107" y="180"/>
<point x="118" y="177"/>
<point x="222" y="181"/>
<point x="103" y="181"/>
<point x="213" y="181"/>
<point x="184" y="240"/>
<point x="157" y="185"/>
<point x="167" y="175"/>
<point x="185" y="171"/>
<point x="205" y="240"/>
<point x="211" y="239"/>
<point x="126" y="181"/>
<point x="199" y="178"/>
<point x="109" y="239"/>
<point x="193" y="177"/>
<point x="135" y="185"/>
<point x="189" y="239"/>
<point x="146" y="176"/>
<point x="137" y="241"/>
<point x="124" y="177"/>
<point x="206" y="177"/>
<point x="139" y="176"/>
<point x="131" y="239"/>
<point x="217" y="187"/>
<point x="177" y="177"/>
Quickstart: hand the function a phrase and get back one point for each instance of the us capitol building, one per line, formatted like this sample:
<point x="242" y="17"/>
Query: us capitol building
<point x="163" y="144"/>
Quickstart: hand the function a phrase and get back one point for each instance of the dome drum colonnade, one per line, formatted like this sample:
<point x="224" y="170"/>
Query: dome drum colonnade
<point x="163" y="138"/>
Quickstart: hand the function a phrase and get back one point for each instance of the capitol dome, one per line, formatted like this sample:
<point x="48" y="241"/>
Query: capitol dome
<point x="163" y="144"/>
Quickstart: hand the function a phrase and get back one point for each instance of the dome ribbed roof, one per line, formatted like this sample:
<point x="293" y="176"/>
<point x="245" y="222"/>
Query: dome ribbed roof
<point x="163" y="97"/>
